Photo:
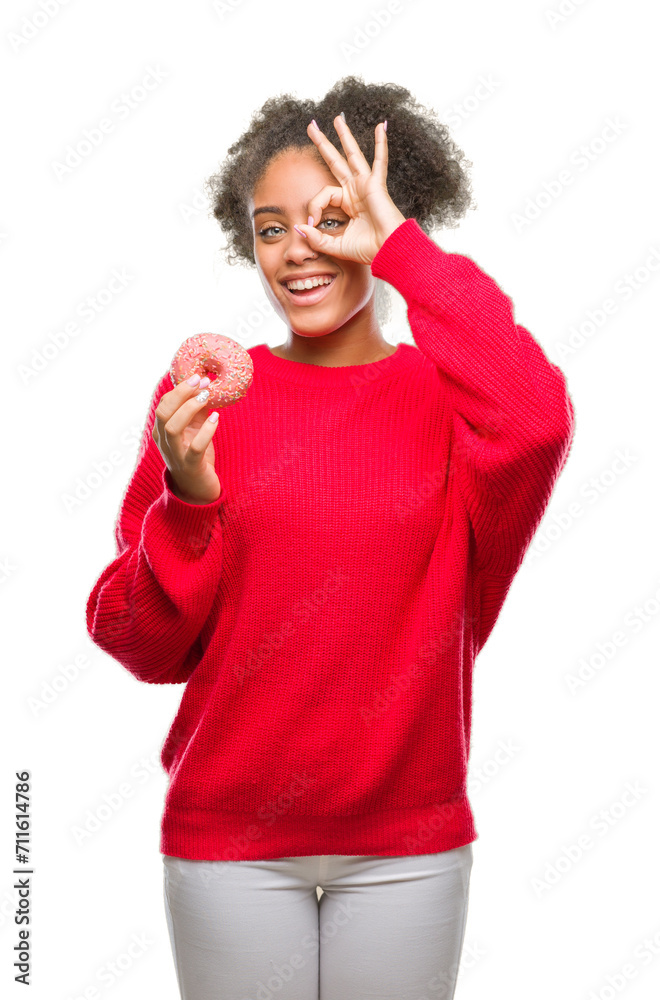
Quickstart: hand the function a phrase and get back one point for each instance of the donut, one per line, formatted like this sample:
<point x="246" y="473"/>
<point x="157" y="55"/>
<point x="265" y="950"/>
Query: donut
<point x="227" y="364"/>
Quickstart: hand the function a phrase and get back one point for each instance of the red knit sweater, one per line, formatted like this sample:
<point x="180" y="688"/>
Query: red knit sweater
<point x="326" y="610"/>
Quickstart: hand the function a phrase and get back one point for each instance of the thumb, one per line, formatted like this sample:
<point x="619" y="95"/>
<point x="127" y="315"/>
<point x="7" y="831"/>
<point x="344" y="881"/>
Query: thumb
<point x="317" y="241"/>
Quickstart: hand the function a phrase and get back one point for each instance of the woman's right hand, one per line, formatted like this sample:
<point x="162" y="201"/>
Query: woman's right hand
<point x="183" y="433"/>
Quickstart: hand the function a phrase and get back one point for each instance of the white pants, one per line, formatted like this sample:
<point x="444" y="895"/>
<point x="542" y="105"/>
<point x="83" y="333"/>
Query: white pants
<point x="385" y="928"/>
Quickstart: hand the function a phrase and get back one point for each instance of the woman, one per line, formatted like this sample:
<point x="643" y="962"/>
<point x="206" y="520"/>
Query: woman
<point x="321" y="562"/>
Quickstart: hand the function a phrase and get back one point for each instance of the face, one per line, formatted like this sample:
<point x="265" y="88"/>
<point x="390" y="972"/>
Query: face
<point x="284" y="191"/>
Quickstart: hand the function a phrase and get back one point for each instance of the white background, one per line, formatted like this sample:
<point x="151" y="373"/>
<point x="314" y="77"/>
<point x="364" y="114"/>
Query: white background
<point x="522" y="93"/>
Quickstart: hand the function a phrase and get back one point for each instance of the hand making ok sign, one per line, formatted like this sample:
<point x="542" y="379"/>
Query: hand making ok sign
<point x="361" y="193"/>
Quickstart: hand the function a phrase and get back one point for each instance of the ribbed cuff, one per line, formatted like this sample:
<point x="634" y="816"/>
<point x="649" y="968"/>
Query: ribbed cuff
<point x="188" y="525"/>
<point x="414" y="265"/>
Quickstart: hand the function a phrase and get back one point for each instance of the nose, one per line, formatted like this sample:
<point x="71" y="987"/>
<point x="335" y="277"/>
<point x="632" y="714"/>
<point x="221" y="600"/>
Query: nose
<point x="298" y="250"/>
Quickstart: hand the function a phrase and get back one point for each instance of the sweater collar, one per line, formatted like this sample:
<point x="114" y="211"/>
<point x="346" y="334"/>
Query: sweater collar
<point x="302" y="373"/>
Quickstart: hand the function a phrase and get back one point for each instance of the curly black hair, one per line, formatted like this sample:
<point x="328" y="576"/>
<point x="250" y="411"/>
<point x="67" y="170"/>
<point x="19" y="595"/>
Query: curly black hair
<point x="427" y="176"/>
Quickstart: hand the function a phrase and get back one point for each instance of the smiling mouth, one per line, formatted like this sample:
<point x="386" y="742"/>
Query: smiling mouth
<point x="309" y="296"/>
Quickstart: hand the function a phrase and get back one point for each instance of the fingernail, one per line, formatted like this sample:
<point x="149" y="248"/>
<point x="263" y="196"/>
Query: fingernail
<point x="315" y="125"/>
<point x="310" y="220"/>
<point x="342" y="115"/>
<point x="300" y="231"/>
<point x="205" y="381"/>
<point x="385" y="124"/>
<point x="213" y="416"/>
<point x="203" y="396"/>
<point x="193" y="380"/>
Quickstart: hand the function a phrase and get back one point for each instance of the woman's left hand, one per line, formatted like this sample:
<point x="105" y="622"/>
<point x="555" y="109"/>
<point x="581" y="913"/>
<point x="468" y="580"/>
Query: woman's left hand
<point x="362" y="195"/>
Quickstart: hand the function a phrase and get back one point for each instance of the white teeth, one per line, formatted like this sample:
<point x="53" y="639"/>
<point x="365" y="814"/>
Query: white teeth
<point x="309" y="283"/>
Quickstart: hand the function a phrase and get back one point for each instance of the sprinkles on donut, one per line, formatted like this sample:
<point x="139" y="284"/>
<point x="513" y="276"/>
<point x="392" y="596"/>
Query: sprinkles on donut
<point x="227" y="364"/>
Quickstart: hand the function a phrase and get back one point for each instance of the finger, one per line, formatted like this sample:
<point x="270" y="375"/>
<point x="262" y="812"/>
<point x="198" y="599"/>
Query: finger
<point x="196" y="450"/>
<point x="170" y="401"/>
<point x="317" y="241"/>
<point x="330" y="195"/>
<point x="354" y="155"/>
<point x="379" y="169"/>
<point x="181" y="417"/>
<point x="332" y="156"/>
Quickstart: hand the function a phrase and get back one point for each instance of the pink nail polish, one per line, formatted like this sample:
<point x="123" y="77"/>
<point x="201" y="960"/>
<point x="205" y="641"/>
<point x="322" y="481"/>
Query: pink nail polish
<point x="385" y="124"/>
<point x="300" y="232"/>
<point x="310" y="220"/>
<point x="193" y="380"/>
<point x="315" y="125"/>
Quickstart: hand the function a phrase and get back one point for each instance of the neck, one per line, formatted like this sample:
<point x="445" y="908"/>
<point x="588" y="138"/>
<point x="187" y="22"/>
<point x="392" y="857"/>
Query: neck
<point x="336" y="349"/>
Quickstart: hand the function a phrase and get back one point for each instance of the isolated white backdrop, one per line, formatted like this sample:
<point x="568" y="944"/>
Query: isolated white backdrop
<point x="530" y="91"/>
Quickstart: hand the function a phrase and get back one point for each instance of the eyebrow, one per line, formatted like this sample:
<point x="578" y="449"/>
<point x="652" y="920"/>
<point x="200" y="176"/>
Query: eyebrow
<point x="267" y="209"/>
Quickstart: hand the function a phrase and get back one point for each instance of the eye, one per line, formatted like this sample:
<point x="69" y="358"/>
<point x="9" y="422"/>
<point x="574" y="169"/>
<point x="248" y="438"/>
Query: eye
<point x="267" y="231"/>
<point x="339" y="222"/>
<point x="264" y="232"/>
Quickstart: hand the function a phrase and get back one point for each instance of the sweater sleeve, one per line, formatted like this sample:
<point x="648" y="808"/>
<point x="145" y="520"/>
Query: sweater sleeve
<point x="512" y="418"/>
<point x="149" y="605"/>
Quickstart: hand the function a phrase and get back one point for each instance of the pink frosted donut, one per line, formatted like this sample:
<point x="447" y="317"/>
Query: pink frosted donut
<point x="214" y="355"/>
